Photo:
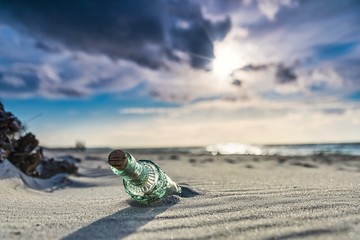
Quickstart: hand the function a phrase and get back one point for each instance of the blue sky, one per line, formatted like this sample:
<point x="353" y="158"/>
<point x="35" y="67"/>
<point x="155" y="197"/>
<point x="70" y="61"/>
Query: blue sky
<point x="182" y="73"/>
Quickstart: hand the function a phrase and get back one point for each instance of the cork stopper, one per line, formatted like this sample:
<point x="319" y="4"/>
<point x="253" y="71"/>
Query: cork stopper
<point x="118" y="159"/>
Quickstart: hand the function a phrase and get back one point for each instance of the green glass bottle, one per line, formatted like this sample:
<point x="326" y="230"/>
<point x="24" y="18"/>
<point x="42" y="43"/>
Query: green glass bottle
<point x="143" y="180"/>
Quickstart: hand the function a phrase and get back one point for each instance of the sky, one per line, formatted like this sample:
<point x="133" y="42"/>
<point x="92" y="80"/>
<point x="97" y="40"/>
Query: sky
<point x="167" y="73"/>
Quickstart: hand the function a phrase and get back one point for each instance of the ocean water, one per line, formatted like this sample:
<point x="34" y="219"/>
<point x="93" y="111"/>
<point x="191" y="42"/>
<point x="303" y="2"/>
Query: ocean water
<point x="238" y="148"/>
<point x="286" y="150"/>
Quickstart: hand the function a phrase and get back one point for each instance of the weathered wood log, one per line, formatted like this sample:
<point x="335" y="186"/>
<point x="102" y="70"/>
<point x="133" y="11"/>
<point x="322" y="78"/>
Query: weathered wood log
<point x="30" y="164"/>
<point x="52" y="167"/>
<point x="27" y="143"/>
<point x="17" y="158"/>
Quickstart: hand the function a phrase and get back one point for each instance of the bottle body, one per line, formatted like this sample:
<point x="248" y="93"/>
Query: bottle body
<point x="144" y="181"/>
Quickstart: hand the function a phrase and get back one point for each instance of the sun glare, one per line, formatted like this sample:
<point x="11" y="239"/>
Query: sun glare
<point x="226" y="60"/>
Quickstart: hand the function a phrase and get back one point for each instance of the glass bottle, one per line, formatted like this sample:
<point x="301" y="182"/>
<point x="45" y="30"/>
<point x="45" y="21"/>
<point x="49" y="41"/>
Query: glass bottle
<point x="143" y="180"/>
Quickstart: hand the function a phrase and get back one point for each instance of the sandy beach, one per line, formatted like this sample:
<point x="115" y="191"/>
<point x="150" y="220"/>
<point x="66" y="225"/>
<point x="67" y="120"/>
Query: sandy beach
<point x="240" y="197"/>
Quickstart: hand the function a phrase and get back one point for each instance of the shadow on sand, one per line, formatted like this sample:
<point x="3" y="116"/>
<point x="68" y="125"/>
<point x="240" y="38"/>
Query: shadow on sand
<point x="121" y="223"/>
<point x="129" y="220"/>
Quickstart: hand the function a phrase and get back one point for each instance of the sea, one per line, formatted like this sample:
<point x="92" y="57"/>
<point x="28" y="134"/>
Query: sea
<point x="252" y="149"/>
<point x="246" y="149"/>
<point x="286" y="149"/>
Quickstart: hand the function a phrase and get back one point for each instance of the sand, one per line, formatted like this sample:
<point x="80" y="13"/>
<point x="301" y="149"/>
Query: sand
<point x="242" y="197"/>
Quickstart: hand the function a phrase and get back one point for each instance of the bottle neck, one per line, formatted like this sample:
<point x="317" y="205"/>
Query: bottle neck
<point x="134" y="172"/>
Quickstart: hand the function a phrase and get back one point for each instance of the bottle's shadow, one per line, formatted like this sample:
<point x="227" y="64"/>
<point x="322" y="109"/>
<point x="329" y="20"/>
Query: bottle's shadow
<point x="128" y="220"/>
<point x="123" y="222"/>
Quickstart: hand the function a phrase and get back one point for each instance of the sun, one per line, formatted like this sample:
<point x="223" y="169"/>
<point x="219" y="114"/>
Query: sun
<point x="226" y="60"/>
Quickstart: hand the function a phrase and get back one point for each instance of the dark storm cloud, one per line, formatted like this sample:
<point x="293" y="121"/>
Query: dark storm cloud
<point x="283" y="74"/>
<point x="70" y="92"/>
<point x="143" y="32"/>
<point x="253" y="67"/>
<point x="45" y="47"/>
<point x="196" y="39"/>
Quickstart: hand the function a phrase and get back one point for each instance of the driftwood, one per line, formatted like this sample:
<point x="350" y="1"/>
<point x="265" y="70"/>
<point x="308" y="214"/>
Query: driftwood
<point x="23" y="150"/>
<point x="66" y="164"/>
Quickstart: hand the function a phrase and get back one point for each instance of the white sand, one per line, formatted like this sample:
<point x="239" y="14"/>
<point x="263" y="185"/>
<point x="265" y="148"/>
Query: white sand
<point x="243" y="197"/>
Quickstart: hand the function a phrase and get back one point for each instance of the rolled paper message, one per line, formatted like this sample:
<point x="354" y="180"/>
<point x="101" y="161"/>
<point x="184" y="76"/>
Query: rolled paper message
<point x="143" y="180"/>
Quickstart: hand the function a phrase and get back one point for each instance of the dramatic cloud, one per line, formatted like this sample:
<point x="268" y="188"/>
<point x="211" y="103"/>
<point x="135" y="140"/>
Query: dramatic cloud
<point x="148" y="34"/>
<point x="18" y="81"/>
<point x="67" y="75"/>
<point x="252" y="67"/>
<point x="283" y="74"/>
<point x="268" y="8"/>
<point x="172" y="51"/>
<point x="271" y="7"/>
